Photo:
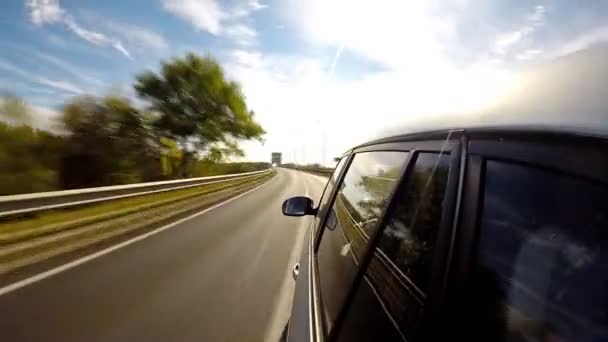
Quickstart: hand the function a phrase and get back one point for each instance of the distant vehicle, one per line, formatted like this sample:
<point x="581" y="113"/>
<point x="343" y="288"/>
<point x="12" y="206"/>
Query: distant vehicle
<point x="479" y="229"/>
<point x="274" y="165"/>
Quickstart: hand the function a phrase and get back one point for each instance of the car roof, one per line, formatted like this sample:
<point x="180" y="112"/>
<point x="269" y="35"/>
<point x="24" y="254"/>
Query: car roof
<point x="566" y="95"/>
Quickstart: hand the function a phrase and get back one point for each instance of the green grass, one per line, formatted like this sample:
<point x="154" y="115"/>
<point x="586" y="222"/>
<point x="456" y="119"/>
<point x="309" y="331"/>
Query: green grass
<point x="18" y="228"/>
<point x="19" y="254"/>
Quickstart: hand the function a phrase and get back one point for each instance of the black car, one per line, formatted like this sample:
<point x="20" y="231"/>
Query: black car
<point x="488" y="227"/>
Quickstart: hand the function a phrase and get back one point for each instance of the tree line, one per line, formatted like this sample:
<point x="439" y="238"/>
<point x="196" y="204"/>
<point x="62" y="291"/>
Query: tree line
<point x="190" y="120"/>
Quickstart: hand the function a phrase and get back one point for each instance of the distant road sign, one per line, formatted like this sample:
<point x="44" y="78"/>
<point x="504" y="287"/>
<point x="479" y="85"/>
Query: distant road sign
<point x="276" y="158"/>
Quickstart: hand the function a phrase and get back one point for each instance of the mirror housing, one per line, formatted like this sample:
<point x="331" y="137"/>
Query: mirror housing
<point x="298" y="206"/>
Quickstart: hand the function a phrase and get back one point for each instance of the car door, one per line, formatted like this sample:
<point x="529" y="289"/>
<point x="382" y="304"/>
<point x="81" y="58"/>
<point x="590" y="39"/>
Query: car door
<point x="352" y="218"/>
<point x="400" y="278"/>
<point x="533" y="253"/>
<point x="300" y="323"/>
<point x="391" y="303"/>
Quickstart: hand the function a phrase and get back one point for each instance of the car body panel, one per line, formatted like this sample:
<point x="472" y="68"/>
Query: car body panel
<point x="299" y="323"/>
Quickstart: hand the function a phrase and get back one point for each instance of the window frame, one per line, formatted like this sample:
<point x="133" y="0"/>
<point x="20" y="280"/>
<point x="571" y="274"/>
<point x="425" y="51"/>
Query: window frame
<point x="575" y="155"/>
<point x="451" y="145"/>
<point x="316" y="304"/>
<point x="321" y="227"/>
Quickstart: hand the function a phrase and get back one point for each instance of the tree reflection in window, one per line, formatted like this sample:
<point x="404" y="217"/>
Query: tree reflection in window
<point x="412" y="229"/>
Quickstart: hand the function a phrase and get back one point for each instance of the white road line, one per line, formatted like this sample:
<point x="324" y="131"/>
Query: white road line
<point x="28" y="281"/>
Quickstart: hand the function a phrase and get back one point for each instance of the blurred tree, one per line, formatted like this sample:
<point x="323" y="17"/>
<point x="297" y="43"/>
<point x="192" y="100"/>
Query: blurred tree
<point x="14" y="110"/>
<point x="109" y="142"/>
<point x="29" y="159"/>
<point x="198" y="107"/>
<point x="171" y="156"/>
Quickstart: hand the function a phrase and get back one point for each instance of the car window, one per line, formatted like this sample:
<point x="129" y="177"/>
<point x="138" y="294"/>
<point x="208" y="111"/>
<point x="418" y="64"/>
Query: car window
<point x="360" y="201"/>
<point x="542" y="269"/>
<point x="412" y="228"/>
<point x="399" y="270"/>
<point x="329" y="188"/>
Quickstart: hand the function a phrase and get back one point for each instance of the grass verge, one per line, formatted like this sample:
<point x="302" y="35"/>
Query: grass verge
<point x="20" y="227"/>
<point x="99" y="233"/>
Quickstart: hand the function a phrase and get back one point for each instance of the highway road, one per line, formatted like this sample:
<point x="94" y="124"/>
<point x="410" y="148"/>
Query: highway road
<point x="224" y="275"/>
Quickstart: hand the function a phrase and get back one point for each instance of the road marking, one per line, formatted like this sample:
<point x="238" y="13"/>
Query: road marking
<point x="33" y="279"/>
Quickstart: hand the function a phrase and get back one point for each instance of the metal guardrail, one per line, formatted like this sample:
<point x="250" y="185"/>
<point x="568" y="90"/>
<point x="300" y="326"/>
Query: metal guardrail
<point x="25" y="203"/>
<point x="320" y="172"/>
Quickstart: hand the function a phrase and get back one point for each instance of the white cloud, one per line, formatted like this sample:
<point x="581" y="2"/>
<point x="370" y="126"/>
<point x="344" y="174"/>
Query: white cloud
<point x="505" y="42"/>
<point x="90" y="36"/>
<point x="241" y="34"/>
<point x="205" y="15"/>
<point x="529" y="54"/>
<point x="45" y="11"/>
<point x="96" y="38"/>
<point x="60" y="85"/>
<point x="139" y="36"/>
<point x="538" y="16"/>
<point x="300" y="106"/>
<point x="407" y="34"/>
<point x="247" y="7"/>
<point x="120" y="48"/>
<point x="69" y="68"/>
<point x="256" y="5"/>
<point x="393" y="32"/>
<point x="50" y="12"/>
<point x="301" y="103"/>
<point x="211" y="17"/>
<point x="22" y="87"/>
<point x="247" y="58"/>
<point x="585" y="40"/>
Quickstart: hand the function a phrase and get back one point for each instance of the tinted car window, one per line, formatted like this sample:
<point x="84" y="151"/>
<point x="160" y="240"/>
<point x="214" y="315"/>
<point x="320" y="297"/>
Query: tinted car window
<point x="401" y="265"/>
<point x="411" y="231"/>
<point x="360" y="201"/>
<point x="542" y="259"/>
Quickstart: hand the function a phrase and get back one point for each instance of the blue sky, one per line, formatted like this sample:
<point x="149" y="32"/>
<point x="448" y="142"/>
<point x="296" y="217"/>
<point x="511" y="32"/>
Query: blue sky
<point x="317" y="72"/>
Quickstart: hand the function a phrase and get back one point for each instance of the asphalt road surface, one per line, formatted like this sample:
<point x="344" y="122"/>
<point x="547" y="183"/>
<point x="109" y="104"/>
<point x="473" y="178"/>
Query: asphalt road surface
<point x="222" y="276"/>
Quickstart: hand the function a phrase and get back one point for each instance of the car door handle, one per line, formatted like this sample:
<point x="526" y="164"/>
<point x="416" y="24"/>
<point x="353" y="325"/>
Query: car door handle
<point x="296" y="270"/>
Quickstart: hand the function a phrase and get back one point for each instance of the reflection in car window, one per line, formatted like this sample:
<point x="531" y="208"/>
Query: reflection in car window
<point x="410" y="233"/>
<point x="401" y="265"/>
<point x="360" y="201"/>
<point x="542" y="264"/>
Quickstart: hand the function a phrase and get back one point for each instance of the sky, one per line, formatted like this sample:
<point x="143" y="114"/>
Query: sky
<point x="321" y="75"/>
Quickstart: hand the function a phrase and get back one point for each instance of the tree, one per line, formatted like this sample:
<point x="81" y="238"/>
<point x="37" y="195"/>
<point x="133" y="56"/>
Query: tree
<point x="14" y="110"/>
<point x="198" y="107"/>
<point x="29" y="159"/>
<point x="109" y="142"/>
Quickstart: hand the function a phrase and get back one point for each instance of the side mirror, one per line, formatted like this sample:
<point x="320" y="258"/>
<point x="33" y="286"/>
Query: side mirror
<point x="298" y="206"/>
